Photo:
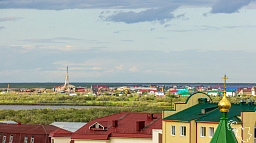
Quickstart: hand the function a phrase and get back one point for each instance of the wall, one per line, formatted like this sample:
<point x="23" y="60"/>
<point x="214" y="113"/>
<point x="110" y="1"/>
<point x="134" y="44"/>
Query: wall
<point x="249" y="120"/>
<point x="130" y="140"/>
<point x="61" y="139"/>
<point x="215" y="125"/>
<point x="167" y="138"/>
<point x="91" y="141"/>
<point x="193" y="100"/>
<point x="155" y="135"/>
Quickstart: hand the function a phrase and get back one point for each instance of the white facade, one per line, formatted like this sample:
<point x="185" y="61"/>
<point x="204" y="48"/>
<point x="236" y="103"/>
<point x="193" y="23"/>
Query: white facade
<point x="61" y="139"/>
<point x="156" y="135"/>
<point x="231" y="94"/>
<point x="117" y="140"/>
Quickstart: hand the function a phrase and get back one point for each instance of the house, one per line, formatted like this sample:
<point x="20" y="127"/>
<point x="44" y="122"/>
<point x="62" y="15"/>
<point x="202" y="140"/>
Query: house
<point x="25" y="133"/>
<point x="213" y="92"/>
<point x="63" y="135"/>
<point x="125" y="127"/>
<point x="80" y="89"/>
<point x="196" y="120"/>
<point x="160" y="94"/>
<point x="246" y="91"/>
<point x="231" y="93"/>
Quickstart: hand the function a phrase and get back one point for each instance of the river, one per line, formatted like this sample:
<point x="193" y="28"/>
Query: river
<point x="27" y="107"/>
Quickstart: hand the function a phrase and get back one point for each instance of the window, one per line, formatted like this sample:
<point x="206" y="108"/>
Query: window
<point x="52" y="141"/>
<point x="32" y="139"/>
<point x="254" y="132"/>
<point x="211" y="132"/>
<point x="182" y="130"/>
<point x="172" y="130"/>
<point x="202" y="131"/>
<point x="26" y="139"/>
<point x="4" y="139"/>
<point x="11" y="138"/>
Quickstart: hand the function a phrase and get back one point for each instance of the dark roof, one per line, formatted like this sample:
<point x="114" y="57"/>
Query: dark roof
<point x="27" y="128"/>
<point x="212" y="113"/>
<point x="126" y="126"/>
<point x="60" y="133"/>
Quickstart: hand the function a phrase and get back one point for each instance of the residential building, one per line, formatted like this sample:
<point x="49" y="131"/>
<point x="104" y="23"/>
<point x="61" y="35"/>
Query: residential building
<point x="25" y="133"/>
<point x="122" y="127"/>
<point x="196" y="120"/>
<point x="213" y="92"/>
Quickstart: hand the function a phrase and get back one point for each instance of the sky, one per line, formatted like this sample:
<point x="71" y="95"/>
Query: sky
<point x="189" y="41"/>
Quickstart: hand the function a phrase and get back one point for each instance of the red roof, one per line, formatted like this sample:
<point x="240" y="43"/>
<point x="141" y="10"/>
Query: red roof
<point x="127" y="126"/>
<point x="60" y="133"/>
<point x="27" y="128"/>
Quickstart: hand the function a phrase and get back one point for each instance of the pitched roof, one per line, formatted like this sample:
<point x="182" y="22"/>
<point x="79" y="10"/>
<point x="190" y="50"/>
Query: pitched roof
<point x="27" y="128"/>
<point x="60" y="133"/>
<point x="212" y="113"/>
<point x="126" y="126"/>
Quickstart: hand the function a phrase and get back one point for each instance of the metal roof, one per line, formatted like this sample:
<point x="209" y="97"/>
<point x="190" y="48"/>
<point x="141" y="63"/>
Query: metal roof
<point x="69" y="126"/>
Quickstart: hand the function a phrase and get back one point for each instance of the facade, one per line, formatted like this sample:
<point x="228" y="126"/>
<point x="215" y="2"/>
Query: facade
<point x="18" y="133"/>
<point x="196" y="120"/>
<point x="122" y="127"/>
<point x="213" y="92"/>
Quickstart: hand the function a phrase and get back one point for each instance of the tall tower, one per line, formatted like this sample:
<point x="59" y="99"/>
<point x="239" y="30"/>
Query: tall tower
<point x="66" y="81"/>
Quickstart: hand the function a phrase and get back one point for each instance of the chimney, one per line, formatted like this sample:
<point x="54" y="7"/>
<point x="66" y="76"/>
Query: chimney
<point x="242" y="102"/>
<point x="150" y="116"/>
<point x="19" y="123"/>
<point x="249" y="102"/>
<point x="140" y="125"/>
<point x="114" y="123"/>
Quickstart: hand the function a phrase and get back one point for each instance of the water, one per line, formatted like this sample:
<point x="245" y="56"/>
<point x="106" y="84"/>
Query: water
<point x="27" y="107"/>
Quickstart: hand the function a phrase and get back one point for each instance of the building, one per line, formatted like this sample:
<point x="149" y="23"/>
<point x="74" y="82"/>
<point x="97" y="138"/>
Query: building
<point x="196" y="120"/>
<point x="122" y="127"/>
<point x="25" y="133"/>
<point x="213" y="92"/>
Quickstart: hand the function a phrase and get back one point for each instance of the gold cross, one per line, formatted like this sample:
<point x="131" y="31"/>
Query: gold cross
<point x="225" y="78"/>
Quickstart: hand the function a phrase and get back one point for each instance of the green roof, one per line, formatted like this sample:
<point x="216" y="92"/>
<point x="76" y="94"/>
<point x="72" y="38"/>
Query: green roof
<point x="185" y="93"/>
<point x="213" y="91"/>
<point x="212" y="113"/>
<point x="224" y="133"/>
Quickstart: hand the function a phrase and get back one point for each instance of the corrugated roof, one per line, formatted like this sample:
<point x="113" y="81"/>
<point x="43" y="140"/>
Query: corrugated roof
<point x="27" y="128"/>
<point x="126" y="126"/>
<point x="60" y="133"/>
<point x="69" y="126"/>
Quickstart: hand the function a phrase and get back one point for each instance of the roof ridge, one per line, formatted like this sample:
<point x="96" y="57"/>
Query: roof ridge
<point x="152" y="122"/>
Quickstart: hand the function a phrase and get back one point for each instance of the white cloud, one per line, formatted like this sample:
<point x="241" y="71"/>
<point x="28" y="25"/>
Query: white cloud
<point x="133" y="69"/>
<point x="10" y="18"/>
<point x="120" y="67"/>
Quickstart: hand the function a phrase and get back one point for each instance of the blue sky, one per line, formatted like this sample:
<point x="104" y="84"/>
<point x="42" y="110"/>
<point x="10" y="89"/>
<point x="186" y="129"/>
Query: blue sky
<point x="127" y="41"/>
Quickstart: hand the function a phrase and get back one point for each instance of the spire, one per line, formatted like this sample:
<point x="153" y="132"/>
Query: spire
<point x="224" y="104"/>
<point x="223" y="133"/>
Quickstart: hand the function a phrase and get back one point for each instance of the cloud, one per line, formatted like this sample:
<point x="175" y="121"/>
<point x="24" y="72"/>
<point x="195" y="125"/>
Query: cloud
<point x="120" y="67"/>
<point x="150" y="10"/>
<point x="161" y="14"/>
<point x="53" y="40"/>
<point x="10" y="18"/>
<point x="27" y="47"/>
<point x="229" y="6"/>
<point x="133" y="69"/>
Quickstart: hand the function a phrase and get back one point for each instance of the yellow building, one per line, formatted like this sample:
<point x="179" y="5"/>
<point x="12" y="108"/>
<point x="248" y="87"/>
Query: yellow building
<point x="196" y="120"/>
